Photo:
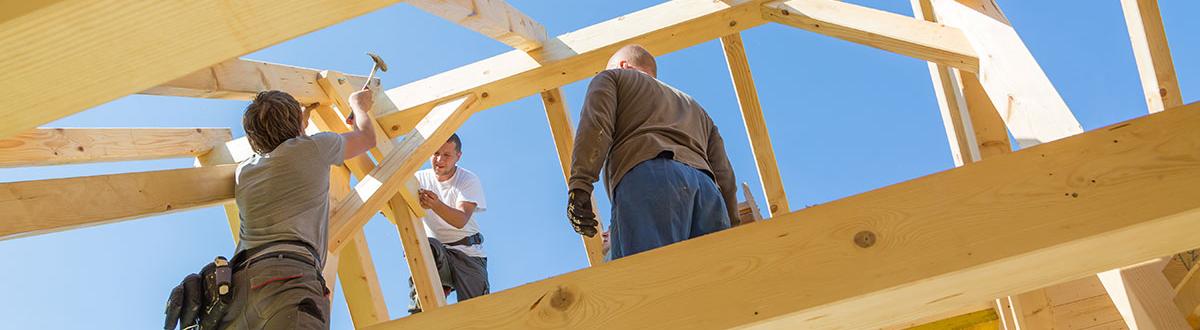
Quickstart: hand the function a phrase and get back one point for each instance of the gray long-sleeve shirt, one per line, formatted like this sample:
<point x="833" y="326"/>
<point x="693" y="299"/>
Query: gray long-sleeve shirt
<point x="629" y="117"/>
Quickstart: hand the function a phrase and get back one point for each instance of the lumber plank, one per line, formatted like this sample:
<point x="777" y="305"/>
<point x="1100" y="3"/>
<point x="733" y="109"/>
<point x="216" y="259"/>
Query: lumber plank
<point x="1152" y="54"/>
<point x="756" y="125"/>
<point x="389" y="176"/>
<point x="563" y="134"/>
<point x="977" y="320"/>
<point x="493" y="18"/>
<point x="876" y="28"/>
<point x="56" y="146"/>
<point x="69" y="59"/>
<point x="231" y="152"/>
<point x="1086" y="313"/>
<point x="45" y="206"/>
<point x="941" y="241"/>
<point x="570" y="57"/>
<point x="1143" y="297"/>
<point x="353" y="264"/>
<point x="412" y="231"/>
<point x="1019" y="90"/>
<point x="952" y="104"/>
<point x="242" y="79"/>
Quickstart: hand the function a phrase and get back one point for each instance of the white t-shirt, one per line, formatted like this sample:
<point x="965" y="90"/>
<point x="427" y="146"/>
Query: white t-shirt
<point x="464" y="186"/>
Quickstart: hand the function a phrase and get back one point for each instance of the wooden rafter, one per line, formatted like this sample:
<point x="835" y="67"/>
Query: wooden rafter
<point x="934" y="243"/>
<point x="1152" y="54"/>
<point x="564" y="143"/>
<point x="44" y="206"/>
<point x="55" y="146"/>
<point x="388" y="178"/>
<point x="756" y="125"/>
<point x="242" y="79"/>
<point x="876" y="28"/>
<point x="493" y="18"/>
<point x="171" y="39"/>
<point x="402" y="209"/>
<point x="1016" y="85"/>
<point x="567" y="58"/>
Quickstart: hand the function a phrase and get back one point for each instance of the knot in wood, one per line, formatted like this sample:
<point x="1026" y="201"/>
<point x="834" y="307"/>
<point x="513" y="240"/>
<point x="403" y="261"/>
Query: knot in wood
<point x="562" y="299"/>
<point x="864" y="239"/>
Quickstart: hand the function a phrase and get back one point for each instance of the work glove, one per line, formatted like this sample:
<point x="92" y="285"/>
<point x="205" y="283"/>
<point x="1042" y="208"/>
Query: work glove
<point x="183" y="307"/>
<point x="579" y="211"/>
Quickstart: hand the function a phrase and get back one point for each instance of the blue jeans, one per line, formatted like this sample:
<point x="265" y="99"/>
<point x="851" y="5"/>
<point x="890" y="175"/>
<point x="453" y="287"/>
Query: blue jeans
<point x="662" y="201"/>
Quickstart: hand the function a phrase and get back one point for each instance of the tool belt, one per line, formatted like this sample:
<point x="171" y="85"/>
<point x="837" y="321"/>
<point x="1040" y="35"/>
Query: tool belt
<point x="469" y="240"/>
<point x="200" y="301"/>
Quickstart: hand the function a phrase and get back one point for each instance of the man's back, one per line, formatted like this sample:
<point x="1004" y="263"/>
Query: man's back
<point x="284" y="195"/>
<point x="642" y="117"/>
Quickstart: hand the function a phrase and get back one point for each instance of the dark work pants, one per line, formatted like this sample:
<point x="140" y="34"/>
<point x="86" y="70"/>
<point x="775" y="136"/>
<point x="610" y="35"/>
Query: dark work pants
<point x="459" y="272"/>
<point x="662" y="201"/>
<point x="278" y="294"/>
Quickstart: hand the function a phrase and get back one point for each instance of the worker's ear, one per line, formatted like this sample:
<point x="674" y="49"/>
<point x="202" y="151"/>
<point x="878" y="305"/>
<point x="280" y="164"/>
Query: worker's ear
<point x="625" y="65"/>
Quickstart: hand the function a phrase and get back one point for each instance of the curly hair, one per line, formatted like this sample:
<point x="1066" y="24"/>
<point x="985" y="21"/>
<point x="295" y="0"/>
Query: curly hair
<point x="272" y="118"/>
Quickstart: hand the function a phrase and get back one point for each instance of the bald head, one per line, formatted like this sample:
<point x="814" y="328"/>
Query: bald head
<point x="634" y="57"/>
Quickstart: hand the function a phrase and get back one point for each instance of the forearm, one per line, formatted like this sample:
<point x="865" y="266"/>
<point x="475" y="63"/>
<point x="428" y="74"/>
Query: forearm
<point x="363" y="122"/>
<point x="452" y="216"/>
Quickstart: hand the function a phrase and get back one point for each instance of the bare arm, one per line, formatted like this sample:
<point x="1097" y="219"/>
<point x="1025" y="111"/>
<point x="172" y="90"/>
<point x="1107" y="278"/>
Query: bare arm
<point x="362" y="136"/>
<point x="456" y="217"/>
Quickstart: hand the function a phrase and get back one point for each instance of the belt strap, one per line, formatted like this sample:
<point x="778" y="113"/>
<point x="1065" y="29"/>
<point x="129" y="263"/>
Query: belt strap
<point x="469" y="240"/>
<point x="240" y="261"/>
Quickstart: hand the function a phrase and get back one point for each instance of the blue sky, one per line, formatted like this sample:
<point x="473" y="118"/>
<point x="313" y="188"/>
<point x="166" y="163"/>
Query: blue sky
<point x="844" y="119"/>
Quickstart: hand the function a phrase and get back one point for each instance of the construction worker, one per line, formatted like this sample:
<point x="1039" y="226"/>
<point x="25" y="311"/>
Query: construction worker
<point x="666" y="170"/>
<point x="282" y="193"/>
<point x="453" y="195"/>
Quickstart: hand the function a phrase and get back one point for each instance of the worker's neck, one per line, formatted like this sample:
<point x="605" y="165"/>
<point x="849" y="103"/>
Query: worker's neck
<point x="448" y="175"/>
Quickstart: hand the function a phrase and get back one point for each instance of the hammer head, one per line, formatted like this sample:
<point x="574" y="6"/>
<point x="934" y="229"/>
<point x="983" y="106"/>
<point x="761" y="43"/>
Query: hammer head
<point x="378" y="61"/>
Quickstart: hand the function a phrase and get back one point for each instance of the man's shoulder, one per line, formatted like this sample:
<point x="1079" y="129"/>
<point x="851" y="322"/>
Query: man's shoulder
<point x="467" y="176"/>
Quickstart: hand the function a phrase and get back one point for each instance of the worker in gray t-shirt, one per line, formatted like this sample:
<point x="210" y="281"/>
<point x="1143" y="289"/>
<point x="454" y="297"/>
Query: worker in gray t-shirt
<point x="282" y="193"/>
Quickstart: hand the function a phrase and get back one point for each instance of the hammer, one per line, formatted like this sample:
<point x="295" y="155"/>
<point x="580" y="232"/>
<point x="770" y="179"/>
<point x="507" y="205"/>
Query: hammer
<point x="379" y="65"/>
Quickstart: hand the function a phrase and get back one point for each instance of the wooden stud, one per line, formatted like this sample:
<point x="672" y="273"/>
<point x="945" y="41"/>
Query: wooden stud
<point x="944" y="240"/>
<point x="56" y="146"/>
<point x="756" y="125"/>
<point x="45" y="206"/>
<point x="66" y="68"/>
<point x="493" y="18"/>
<point x="876" y="28"/>
<point x="564" y="142"/>
<point x="1143" y="297"/>
<point x="504" y="78"/>
<point x="1152" y="54"/>
<point x="1016" y="85"/>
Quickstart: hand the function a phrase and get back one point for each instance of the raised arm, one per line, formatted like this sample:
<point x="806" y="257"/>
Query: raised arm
<point x="362" y="136"/>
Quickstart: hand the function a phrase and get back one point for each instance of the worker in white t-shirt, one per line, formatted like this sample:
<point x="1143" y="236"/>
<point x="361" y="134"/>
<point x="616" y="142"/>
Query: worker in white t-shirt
<point x="452" y="195"/>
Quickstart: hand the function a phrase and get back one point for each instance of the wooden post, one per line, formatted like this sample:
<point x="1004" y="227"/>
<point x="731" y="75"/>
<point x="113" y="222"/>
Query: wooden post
<point x="756" y="125"/>
<point x="564" y="142"/>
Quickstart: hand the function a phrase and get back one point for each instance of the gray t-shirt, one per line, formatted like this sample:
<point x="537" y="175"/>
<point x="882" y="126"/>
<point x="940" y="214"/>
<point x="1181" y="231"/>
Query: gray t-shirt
<point x="284" y="195"/>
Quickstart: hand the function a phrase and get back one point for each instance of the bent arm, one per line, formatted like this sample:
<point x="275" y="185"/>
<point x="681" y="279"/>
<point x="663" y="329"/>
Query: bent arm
<point x="594" y="136"/>
<point x="456" y="217"/>
<point x="362" y="136"/>
<point x="722" y="170"/>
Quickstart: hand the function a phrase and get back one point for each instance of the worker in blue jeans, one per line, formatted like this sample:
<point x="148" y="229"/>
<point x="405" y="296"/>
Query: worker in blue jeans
<point x="666" y="169"/>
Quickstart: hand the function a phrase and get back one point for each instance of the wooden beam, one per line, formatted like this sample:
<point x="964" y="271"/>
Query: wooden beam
<point x="228" y="153"/>
<point x="507" y="77"/>
<point x="948" y="91"/>
<point x="1143" y="297"/>
<point x="412" y="231"/>
<point x="242" y="79"/>
<point x="934" y="243"/>
<point x="756" y="125"/>
<point x="373" y="191"/>
<point x="56" y="146"/>
<point x="1152" y="54"/>
<point x="1018" y="88"/>
<point x="977" y="320"/>
<point x="69" y="63"/>
<point x="1187" y="299"/>
<point x="876" y="28"/>
<point x="564" y="142"/>
<point x="493" y="18"/>
<point x="364" y="296"/>
<point x="45" y="206"/>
